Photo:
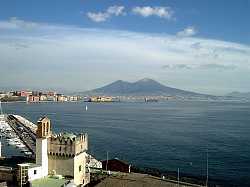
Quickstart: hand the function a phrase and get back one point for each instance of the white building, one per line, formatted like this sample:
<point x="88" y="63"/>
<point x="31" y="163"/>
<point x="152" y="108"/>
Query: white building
<point x="57" y="155"/>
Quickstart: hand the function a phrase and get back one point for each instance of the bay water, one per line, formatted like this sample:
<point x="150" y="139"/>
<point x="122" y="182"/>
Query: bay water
<point x="167" y="135"/>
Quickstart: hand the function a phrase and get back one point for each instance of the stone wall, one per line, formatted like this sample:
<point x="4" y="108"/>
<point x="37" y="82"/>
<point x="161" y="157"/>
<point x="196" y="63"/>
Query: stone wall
<point x="58" y="145"/>
<point x="61" y="165"/>
<point x="80" y="176"/>
<point x="6" y="174"/>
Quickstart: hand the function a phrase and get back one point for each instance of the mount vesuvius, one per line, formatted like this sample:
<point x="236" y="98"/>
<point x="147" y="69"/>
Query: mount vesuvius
<point x="143" y="87"/>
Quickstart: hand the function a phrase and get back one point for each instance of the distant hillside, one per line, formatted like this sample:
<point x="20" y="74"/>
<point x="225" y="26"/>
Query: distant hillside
<point x="144" y="87"/>
<point x="243" y="95"/>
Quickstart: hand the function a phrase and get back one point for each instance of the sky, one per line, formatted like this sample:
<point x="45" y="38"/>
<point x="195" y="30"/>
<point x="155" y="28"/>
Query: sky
<point x="201" y="46"/>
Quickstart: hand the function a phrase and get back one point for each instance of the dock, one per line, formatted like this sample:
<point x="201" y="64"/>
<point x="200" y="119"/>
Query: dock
<point x="25" y="133"/>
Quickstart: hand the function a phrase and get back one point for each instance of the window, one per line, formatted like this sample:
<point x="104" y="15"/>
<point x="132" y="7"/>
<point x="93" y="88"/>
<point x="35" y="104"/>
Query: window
<point x="34" y="172"/>
<point x="80" y="168"/>
<point x="60" y="149"/>
<point x="47" y="127"/>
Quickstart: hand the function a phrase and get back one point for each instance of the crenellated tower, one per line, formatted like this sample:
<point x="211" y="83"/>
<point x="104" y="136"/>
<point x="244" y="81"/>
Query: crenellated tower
<point x="67" y="156"/>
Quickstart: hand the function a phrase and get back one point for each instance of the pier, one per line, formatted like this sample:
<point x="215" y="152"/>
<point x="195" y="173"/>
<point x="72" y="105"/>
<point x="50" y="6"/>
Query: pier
<point x="25" y="133"/>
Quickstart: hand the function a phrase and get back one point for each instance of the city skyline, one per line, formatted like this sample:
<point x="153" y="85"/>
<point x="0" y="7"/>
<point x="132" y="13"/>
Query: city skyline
<point x="81" y="45"/>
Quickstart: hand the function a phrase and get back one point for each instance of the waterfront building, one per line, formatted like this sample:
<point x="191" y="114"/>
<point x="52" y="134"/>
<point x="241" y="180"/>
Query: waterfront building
<point x="116" y="165"/>
<point x="58" y="155"/>
<point x="50" y="93"/>
<point x="102" y="99"/>
<point x="51" y="98"/>
<point x="32" y="98"/>
<point x="106" y="99"/>
<point x="25" y="93"/>
<point x="93" y="164"/>
<point x="43" y="97"/>
<point x="67" y="156"/>
<point x="72" y="98"/>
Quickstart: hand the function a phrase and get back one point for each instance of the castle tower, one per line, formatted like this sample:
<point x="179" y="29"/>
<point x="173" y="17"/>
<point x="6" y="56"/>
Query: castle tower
<point x="43" y="133"/>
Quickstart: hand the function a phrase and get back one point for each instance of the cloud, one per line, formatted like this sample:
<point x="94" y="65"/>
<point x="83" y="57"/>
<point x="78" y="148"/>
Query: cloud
<point x="98" y="17"/>
<point x="191" y="66"/>
<point x="14" y="23"/>
<point x="22" y="23"/>
<point x="187" y="32"/>
<point x="196" y="45"/>
<point x="217" y="67"/>
<point x="135" y="47"/>
<point x="177" y="67"/>
<point x="103" y="16"/>
<point x="159" y="11"/>
<point x="69" y="55"/>
<point x="116" y="10"/>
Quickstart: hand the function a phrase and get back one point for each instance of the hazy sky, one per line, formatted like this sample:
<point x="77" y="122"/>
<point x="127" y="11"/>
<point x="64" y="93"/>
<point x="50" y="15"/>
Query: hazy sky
<point x="202" y="46"/>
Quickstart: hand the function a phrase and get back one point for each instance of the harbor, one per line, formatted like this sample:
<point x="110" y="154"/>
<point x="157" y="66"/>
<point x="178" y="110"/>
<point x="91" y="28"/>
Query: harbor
<point x="18" y="131"/>
<point x="14" y="134"/>
<point x="28" y="138"/>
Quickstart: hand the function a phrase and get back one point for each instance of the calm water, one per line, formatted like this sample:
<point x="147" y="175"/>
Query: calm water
<point x="159" y="135"/>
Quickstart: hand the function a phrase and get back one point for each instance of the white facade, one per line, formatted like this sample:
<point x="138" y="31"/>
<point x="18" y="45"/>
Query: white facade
<point x="35" y="173"/>
<point x="93" y="164"/>
<point x="41" y="155"/>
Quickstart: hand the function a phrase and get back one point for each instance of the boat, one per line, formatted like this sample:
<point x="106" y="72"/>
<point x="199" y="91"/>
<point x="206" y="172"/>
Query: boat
<point x="11" y="142"/>
<point x="20" y="145"/>
<point x="1" y="110"/>
<point x="24" y="149"/>
<point x="28" y="153"/>
<point x="86" y="107"/>
<point x="150" y="100"/>
<point x="87" y="99"/>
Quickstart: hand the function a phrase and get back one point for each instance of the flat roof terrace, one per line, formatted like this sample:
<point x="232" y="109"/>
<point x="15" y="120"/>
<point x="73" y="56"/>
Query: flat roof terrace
<point x="48" y="182"/>
<point x="140" y="180"/>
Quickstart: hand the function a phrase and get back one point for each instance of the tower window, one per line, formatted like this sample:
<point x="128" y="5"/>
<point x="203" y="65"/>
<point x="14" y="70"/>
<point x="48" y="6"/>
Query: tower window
<point x="80" y="168"/>
<point x="34" y="172"/>
<point x="47" y="127"/>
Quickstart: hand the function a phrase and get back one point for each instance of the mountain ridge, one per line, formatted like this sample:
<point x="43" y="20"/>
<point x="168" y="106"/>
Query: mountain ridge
<point x="237" y="94"/>
<point x="142" y="87"/>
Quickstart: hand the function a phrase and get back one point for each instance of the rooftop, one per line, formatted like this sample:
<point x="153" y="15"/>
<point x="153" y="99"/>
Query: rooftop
<point x="48" y="182"/>
<point x="139" y="180"/>
<point x="30" y="165"/>
<point x="42" y="118"/>
<point x="67" y="135"/>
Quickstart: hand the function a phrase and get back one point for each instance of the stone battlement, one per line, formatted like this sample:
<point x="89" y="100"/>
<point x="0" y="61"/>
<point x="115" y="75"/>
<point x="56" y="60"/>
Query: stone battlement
<point x="67" y="144"/>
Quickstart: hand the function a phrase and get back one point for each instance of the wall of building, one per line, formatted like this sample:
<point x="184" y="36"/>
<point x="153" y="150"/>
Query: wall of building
<point x="41" y="155"/>
<point x="6" y="174"/>
<point x="116" y="165"/>
<point x="61" y="165"/>
<point x="81" y="144"/>
<point x="80" y="175"/>
<point x="61" y="146"/>
<point x="32" y="175"/>
<point x="93" y="164"/>
<point x="67" y="146"/>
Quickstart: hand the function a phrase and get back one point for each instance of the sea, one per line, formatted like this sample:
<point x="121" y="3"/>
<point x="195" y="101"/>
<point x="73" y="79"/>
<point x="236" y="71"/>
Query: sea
<point x="163" y="135"/>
